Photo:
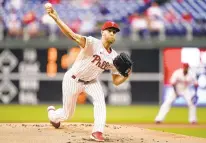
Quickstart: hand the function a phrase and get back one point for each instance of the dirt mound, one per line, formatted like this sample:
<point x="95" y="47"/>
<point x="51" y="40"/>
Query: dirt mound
<point x="80" y="133"/>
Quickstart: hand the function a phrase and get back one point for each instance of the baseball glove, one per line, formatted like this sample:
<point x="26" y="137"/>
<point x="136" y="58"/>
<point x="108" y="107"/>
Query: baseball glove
<point x="123" y="64"/>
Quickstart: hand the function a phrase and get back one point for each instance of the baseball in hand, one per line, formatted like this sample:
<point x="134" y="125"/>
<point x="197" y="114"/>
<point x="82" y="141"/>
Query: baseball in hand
<point x="47" y="5"/>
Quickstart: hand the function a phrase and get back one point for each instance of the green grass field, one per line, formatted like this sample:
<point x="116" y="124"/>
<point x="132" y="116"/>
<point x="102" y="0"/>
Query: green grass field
<point x="115" y="114"/>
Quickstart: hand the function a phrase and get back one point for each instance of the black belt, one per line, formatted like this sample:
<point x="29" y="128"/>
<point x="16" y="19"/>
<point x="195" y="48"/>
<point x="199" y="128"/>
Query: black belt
<point x="80" y="80"/>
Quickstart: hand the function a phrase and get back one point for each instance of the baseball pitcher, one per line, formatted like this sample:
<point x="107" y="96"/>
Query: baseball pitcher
<point x="181" y="80"/>
<point x="95" y="57"/>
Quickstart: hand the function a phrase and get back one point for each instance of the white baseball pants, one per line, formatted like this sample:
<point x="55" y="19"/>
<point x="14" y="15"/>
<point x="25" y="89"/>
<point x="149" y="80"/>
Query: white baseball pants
<point x="165" y="107"/>
<point x="71" y="89"/>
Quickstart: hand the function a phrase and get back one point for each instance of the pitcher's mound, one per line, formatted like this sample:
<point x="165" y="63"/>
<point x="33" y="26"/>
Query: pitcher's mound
<point x="80" y="133"/>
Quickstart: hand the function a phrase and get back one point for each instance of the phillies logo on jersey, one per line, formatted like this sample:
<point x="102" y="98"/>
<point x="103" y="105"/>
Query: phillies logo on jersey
<point x="103" y="65"/>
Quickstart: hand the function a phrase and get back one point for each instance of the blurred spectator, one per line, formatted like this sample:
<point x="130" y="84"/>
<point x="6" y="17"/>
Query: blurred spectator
<point x="1" y="29"/>
<point x="155" y="20"/>
<point x="88" y="25"/>
<point x="187" y="17"/>
<point x="2" y="3"/>
<point x="103" y="9"/>
<point x="16" y="4"/>
<point x="180" y="1"/>
<point x="42" y="1"/>
<point x="13" y="24"/>
<point x="147" y="1"/>
<point x="177" y="17"/>
<point x="154" y="12"/>
<point x="85" y="4"/>
<point x="51" y="25"/>
<point x="186" y="21"/>
<point x="138" y="24"/>
<point x="75" y="25"/>
<point x="54" y="1"/>
<point x="170" y="16"/>
<point x="31" y="25"/>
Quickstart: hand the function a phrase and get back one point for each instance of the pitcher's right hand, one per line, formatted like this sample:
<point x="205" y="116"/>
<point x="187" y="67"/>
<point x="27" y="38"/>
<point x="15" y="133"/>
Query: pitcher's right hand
<point x="50" y="10"/>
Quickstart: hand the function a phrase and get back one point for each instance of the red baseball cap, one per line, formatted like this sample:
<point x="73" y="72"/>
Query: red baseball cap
<point x="110" y="24"/>
<point x="185" y="65"/>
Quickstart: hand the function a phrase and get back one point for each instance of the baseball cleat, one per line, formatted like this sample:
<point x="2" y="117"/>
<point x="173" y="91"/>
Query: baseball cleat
<point x="194" y="123"/>
<point x="97" y="136"/>
<point x="50" y="108"/>
<point x="56" y="125"/>
<point x="158" y="122"/>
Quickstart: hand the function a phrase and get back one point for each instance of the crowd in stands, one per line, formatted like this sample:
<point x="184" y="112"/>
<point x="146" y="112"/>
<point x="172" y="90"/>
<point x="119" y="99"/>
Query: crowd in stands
<point x="139" y="19"/>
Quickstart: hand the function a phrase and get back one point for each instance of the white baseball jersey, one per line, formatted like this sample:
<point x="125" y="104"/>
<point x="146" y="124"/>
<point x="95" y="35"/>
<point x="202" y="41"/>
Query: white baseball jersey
<point x="92" y="60"/>
<point x="183" y="81"/>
